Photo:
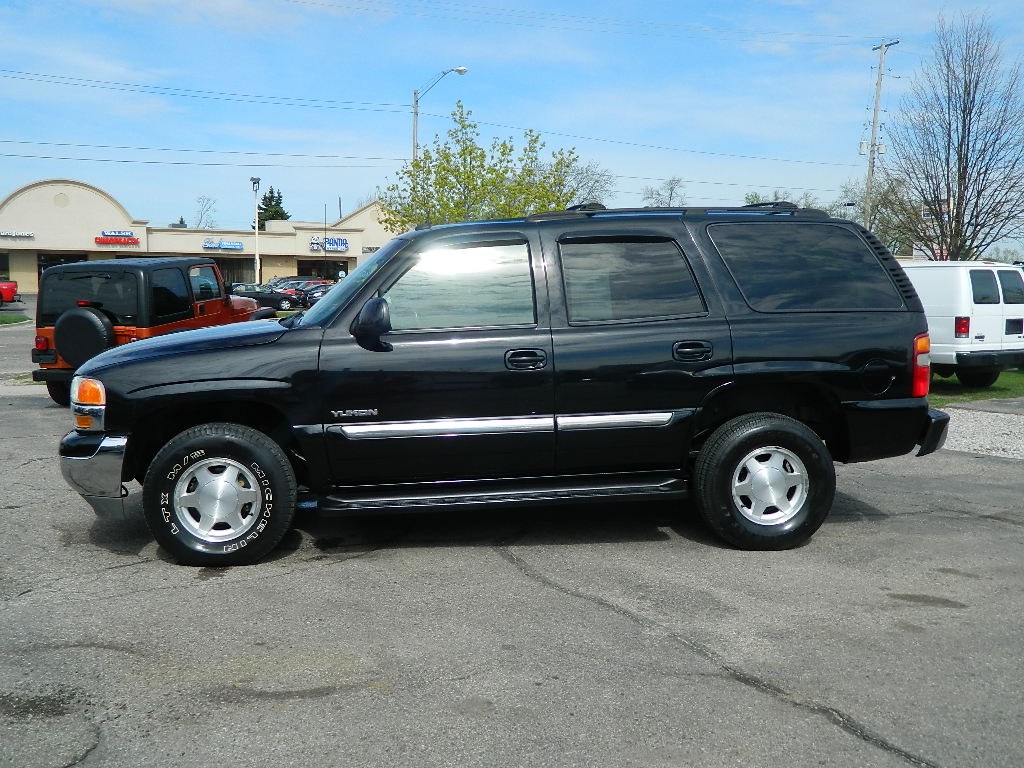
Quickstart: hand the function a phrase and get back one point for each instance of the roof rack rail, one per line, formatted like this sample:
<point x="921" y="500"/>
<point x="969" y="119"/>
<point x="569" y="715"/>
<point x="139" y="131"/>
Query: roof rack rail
<point x="772" y="204"/>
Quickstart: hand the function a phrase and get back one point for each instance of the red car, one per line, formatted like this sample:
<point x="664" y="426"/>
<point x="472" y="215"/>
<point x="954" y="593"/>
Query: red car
<point x="8" y="291"/>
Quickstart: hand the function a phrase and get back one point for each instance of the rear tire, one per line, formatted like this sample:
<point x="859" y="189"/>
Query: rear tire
<point x="284" y="305"/>
<point x="764" y="481"/>
<point x="60" y="392"/>
<point x="219" y="494"/>
<point x="977" y="377"/>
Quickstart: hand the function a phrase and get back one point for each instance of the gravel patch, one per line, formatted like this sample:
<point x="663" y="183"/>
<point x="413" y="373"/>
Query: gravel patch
<point x="992" y="434"/>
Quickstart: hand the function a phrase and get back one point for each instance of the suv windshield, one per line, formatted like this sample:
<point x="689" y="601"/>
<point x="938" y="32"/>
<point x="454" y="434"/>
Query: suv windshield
<point x="116" y="294"/>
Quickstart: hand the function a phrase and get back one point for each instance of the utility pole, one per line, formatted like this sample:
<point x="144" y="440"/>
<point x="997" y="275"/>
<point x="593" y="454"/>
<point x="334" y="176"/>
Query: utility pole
<point x="873" y="148"/>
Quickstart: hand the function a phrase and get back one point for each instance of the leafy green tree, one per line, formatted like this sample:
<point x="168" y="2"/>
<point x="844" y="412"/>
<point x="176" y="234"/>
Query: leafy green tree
<point x="270" y="207"/>
<point x="457" y="179"/>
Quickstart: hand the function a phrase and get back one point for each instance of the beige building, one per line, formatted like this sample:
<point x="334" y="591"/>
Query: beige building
<point x="59" y="221"/>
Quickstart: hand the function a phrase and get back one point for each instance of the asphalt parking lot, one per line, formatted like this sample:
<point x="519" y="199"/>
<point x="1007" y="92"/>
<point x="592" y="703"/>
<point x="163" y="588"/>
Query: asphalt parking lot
<point x="599" y="636"/>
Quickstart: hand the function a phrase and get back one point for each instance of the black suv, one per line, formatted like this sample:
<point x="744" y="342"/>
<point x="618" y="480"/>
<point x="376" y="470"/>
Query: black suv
<point x="726" y="355"/>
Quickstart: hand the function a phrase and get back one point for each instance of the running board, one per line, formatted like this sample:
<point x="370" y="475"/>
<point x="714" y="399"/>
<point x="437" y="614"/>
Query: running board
<point x="478" y="492"/>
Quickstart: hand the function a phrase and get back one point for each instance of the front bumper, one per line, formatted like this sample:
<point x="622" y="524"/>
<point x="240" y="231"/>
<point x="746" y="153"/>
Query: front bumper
<point x="92" y="465"/>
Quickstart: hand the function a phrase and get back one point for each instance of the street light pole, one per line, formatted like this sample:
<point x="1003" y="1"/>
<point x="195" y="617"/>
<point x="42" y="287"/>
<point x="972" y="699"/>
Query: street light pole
<point x="257" y="268"/>
<point x="416" y="95"/>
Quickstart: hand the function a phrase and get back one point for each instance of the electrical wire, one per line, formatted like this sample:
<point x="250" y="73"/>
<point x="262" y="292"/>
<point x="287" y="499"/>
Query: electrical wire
<point x="562" y="22"/>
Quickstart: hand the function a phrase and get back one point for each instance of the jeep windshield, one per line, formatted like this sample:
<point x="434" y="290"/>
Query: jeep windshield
<point x="321" y="312"/>
<point x="116" y="294"/>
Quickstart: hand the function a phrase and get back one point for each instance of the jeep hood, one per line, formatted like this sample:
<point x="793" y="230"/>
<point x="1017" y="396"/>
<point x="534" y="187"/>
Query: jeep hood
<point x="242" y="334"/>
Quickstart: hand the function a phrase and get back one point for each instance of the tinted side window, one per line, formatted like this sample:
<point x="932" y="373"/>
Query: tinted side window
<point x="204" y="283"/>
<point x="1013" y="286"/>
<point x="983" y="286"/>
<point x="816" y="267"/>
<point x="626" y="279"/>
<point x="464" y="287"/>
<point x="171" y="299"/>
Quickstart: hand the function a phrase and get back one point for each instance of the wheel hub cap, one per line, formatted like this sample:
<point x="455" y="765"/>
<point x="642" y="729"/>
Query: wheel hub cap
<point x="217" y="499"/>
<point x="770" y="485"/>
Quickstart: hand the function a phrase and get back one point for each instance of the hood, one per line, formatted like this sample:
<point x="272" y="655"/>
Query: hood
<point x="242" y="334"/>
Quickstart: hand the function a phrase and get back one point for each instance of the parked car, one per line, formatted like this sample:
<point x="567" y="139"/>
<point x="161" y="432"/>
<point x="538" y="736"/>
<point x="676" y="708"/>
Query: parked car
<point x="89" y="306"/>
<point x="266" y="296"/>
<point x="8" y="292"/>
<point x="975" y="312"/>
<point x="728" y="356"/>
<point x="317" y="292"/>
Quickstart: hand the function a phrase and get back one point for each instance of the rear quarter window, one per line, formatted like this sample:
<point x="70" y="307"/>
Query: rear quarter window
<point x="1012" y="282"/>
<point x="116" y="294"/>
<point x="787" y="267"/>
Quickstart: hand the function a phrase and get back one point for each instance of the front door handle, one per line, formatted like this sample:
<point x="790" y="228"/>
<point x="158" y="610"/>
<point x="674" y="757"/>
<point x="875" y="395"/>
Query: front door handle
<point x="692" y="351"/>
<point x="525" y="359"/>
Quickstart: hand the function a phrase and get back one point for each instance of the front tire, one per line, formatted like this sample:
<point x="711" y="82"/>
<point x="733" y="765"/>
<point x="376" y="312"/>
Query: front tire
<point x="764" y="481"/>
<point x="219" y="494"/>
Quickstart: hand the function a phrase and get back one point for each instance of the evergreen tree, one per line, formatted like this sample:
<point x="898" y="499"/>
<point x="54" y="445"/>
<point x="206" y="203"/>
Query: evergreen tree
<point x="270" y="207"/>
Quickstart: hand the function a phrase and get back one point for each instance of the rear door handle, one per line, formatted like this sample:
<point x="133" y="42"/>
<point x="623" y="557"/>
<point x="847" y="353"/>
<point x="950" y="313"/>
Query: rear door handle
<point x="525" y="359"/>
<point x="692" y="351"/>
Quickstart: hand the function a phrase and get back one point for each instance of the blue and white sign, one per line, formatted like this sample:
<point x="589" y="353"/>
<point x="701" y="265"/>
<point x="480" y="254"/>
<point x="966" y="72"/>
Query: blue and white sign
<point x="329" y="244"/>
<point x="230" y="245"/>
<point x="117" y="233"/>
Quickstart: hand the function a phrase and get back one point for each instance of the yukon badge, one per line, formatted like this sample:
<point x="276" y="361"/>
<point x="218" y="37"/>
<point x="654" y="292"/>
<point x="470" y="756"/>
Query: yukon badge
<point x="351" y="413"/>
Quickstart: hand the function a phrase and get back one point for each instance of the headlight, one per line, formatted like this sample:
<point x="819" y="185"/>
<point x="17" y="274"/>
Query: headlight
<point x="88" y="403"/>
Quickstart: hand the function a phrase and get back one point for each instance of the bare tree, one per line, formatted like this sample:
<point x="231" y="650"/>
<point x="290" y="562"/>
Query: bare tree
<point x="888" y="201"/>
<point x="666" y="195"/>
<point x="206" y="207"/>
<point x="590" y="183"/>
<point x="958" y="146"/>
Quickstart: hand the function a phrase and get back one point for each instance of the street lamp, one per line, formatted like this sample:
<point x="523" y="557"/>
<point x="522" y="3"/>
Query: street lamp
<point x="256" y="228"/>
<point x="416" y="105"/>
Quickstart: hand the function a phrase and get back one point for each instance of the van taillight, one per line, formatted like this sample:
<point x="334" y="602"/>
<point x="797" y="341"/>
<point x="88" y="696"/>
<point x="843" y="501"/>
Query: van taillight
<point x="962" y="327"/>
<point x="922" y="366"/>
<point x="42" y="343"/>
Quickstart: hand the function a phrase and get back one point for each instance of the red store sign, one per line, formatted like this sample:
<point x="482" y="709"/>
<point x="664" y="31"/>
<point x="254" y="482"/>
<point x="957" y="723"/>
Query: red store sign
<point x="117" y="241"/>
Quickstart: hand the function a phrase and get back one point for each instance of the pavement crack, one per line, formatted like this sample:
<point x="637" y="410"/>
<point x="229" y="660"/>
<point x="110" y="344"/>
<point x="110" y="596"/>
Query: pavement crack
<point x="842" y="720"/>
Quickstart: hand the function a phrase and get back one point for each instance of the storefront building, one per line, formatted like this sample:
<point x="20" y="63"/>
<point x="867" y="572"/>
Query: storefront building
<point x="60" y="220"/>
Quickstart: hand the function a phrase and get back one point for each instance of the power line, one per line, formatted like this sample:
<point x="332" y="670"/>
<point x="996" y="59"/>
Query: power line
<point x="202" y="151"/>
<point x="179" y="162"/>
<point x="576" y="23"/>
<point x="161" y="90"/>
<point x="333" y="104"/>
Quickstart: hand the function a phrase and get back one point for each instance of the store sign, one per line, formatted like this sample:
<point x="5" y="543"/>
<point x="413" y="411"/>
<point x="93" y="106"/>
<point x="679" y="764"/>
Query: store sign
<point x="17" y="234"/>
<point x="116" y="237"/>
<point x="230" y="245"/>
<point x="329" y="244"/>
<point x="117" y="233"/>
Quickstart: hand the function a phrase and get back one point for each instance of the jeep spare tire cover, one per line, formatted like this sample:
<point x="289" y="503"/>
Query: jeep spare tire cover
<point x="82" y="333"/>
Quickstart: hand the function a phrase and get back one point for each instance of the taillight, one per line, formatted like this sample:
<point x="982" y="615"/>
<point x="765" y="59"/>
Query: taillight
<point x="922" y="366"/>
<point x="962" y="327"/>
<point x="42" y="343"/>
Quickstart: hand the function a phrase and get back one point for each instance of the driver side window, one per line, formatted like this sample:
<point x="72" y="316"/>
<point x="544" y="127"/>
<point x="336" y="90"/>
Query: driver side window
<point x="481" y="285"/>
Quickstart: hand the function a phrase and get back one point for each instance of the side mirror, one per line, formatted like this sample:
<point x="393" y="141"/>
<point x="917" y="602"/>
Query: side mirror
<point x="373" y="321"/>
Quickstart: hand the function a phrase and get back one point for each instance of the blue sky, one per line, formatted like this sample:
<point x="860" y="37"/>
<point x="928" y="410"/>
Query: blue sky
<point x="313" y="96"/>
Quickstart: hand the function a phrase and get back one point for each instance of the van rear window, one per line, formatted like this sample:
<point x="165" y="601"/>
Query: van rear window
<point x="116" y="294"/>
<point x="983" y="286"/>
<point x="1012" y="282"/>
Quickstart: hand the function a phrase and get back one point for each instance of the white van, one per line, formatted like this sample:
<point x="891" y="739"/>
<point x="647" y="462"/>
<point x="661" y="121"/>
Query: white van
<point x="975" y="313"/>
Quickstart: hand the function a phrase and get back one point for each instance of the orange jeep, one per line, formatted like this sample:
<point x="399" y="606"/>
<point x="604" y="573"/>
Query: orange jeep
<point x="89" y="306"/>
